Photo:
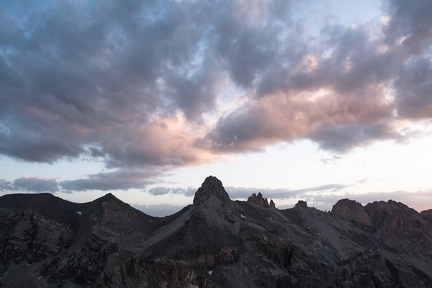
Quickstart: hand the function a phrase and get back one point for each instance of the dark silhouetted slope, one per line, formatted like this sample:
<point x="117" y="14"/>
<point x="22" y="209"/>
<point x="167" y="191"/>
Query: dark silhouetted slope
<point x="216" y="242"/>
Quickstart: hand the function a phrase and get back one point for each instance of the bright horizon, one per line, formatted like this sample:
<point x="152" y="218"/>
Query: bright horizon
<point x="299" y="100"/>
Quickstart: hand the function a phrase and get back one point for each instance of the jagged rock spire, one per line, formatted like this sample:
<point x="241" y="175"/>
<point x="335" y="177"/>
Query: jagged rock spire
<point x="260" y="200"/>
<point x="211" y="187"/>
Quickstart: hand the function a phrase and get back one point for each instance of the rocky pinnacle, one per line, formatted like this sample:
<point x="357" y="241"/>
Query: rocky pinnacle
<point x="211" y="187"/>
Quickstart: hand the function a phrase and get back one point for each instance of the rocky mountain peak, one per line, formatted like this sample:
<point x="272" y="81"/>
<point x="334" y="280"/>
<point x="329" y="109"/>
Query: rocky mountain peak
<point x="354" y="212"/>
<point x="211" y="187"/>
<point x="260" y="201"/>
<point x="49" y="242"/>
<point x="301" y="204"/>
<point x="109" y="197"/>
<point x="396" y="218"/>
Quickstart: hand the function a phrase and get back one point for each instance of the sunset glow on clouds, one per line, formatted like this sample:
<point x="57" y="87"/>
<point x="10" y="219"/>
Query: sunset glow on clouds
<point x="143" y="98"/>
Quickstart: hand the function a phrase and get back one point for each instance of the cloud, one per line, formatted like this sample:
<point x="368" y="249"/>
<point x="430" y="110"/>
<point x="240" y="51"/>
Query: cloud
<point x="318" y="97"/>
<point x="413" y="86"/>
<point x="33" y="184"/>
<point x="122" y="179"/>
<point x="245" y="192"/>
<point x="330" y="160"/>
<point x="30" y="184"/>
<point x="153" y="86"/>
<point x="317" y="199"/>
<point x="412" y="199"/>
<point x="159" y="210"/>
<point x="178" y="190"/>
<point x="96" y="152"/>
<point x="6" y="185"/>
<point x="345" y="136"/>
<point x="410" y="24"/>
<point x="340" y="96"/>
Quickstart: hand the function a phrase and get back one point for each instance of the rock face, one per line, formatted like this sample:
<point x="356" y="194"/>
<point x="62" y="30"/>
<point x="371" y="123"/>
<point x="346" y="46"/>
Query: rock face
<point x="48" y="242"/>
<point x="354" y="212"/>
<point x="301" y="204"/>
<point x="211" y="188"/>
<point x="260" y="201"/>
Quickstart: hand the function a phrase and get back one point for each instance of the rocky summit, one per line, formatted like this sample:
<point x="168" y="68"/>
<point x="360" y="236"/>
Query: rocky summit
<point x="216" y="242"/>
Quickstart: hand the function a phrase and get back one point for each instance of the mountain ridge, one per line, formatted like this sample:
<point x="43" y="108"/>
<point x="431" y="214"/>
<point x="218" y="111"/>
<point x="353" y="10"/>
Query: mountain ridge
<point x="46" y="241"/>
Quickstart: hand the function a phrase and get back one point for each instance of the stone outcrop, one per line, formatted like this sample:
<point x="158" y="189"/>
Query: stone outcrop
<point x="211" y="188"/>
<point x="48" y="242"/>
<point x="301" y="204"/>
<point x="354" y="212"/>
<point x="260" y="201"/>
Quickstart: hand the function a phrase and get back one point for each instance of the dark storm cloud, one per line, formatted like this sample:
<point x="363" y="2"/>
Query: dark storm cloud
<point x="135" y="83"/>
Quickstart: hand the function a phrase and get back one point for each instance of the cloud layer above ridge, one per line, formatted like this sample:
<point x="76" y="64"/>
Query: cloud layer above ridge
<point x="149" y="86"/>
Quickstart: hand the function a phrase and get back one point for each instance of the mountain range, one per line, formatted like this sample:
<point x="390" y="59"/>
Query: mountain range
<point x="46" y="241"/>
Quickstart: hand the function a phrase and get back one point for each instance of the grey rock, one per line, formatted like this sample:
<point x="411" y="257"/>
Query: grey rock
<point x="301" y="204"/>
<point x="216" y="242"/>
<point x="260" y="201"/>
<point x="354" y="212"/>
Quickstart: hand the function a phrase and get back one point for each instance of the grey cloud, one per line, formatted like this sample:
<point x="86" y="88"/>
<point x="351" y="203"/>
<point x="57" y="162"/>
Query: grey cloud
<point x="34" y="147"/>
<point x="122" y="179"/>
<point x="412" y="21"/>
<point x="311" y="194"/>
<point x="346" y="136"/>
<point x="96" y="152"/>
<point x="321" y="188"/>
<point x="330" y="160"/>
<point x="413" y="89"/>
<point x="245" y="192"/>
<point x="242" y="192"/>
<point x="178" y="190"/>
<point x="6" y="185"/>
<point x="243" y="127"/>
<point x="326" y="202"/>
<point x="69" y="75"/>
<point x="8" y="28"/>
<point x="138" y="81"/>
<point x="30" y="184"/>
<point x="354" y="77"/>
<point x="38" y="185"/>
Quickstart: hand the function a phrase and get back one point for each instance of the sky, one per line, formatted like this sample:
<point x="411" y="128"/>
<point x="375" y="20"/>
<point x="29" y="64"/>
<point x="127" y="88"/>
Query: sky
<point x="299" y="100"/>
